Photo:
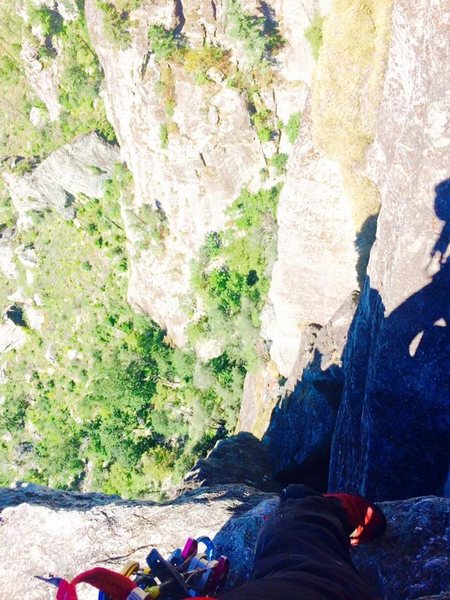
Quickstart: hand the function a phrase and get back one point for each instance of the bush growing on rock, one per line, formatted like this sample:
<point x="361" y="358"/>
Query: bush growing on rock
<point x="314" y="34"/>
<point x="292" y="127"/>
<point x="50" y="21"/>
<point x="199" y="61"/>
<point x="260" y="36"/>
<point x="163" y="42"/>
<point x="279" y="162"/>
<point x="261" y="120"/>
<point x="117" y="24"/>
<point x="232" y="276"/>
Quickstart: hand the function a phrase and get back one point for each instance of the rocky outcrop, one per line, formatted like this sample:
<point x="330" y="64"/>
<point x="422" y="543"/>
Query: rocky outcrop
<point x="411" y="559"/>
<point x="81" y="167"/>
<point x="315" y="269"/>
<point x="66" y="533"/>
<point x="7" y="266"/>
<point x="43" y="81"/>
<point x="391" y="439"/>
<point x="11" y="336"/>
<point x="191" y="148"/>
<point x="239" y="459"/>
<point x="298" y="437"/>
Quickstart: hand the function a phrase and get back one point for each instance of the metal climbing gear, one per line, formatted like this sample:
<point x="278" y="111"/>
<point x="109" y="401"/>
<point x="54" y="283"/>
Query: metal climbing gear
<point x="187" y="573"/>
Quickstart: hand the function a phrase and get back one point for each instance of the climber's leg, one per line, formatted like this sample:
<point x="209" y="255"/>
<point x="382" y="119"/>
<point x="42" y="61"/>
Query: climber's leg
<point x="303" y="551"/>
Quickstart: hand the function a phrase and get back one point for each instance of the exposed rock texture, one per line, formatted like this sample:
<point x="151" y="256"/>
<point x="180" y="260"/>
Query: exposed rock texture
<point x="79" y="167"/>
<point x="392" y="434"/>
<point x="44" y="82"/>
<point x="65" y="533"/>
<point x="212" y="149"/>
<point x="299" y="435"/>
<point x="62" y="533"/>
<point x="411" y="560"/>
<point x="239" y="459"/>
<point x="7" y="266"/>
<point x="262" y="390"/>
<point x="315" y="270"/>
<point x="11" y="336"/>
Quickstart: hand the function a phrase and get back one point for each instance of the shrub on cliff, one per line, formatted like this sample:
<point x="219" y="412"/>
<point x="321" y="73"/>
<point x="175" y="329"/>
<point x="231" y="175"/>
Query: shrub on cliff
<point x="314" y="34"/>
<point x="232" y="276"/>
<point x="117" y="24"/>
<point x="260" y="35"/>
<point x="163" y="42"/>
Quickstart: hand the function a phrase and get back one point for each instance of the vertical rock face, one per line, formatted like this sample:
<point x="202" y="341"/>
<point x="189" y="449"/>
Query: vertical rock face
<point x="415" y="563"/>
<point x="213" y="155"/>
<point x="238" y="459"/>
<point x="315" y="270"/>
<point x="211" y="151"/>
<point x="391" y="439"/>
<point x="299" y="435"/>
<point x="80" y="167"/>
<point x="44" y="82"/>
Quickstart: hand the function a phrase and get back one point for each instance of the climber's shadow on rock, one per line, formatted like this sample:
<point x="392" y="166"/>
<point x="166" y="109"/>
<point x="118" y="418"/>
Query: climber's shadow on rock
<point x="391" y="437"/>
<point x="392" y="433"/>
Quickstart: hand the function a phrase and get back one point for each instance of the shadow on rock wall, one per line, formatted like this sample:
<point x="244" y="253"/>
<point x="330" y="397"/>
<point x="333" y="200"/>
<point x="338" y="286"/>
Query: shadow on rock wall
<point x="391" y="439"/>
<point x="392" y="434"/>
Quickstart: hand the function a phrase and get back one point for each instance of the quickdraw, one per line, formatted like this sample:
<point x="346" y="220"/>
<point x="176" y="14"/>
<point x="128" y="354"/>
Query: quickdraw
<point x="187" y="573"/>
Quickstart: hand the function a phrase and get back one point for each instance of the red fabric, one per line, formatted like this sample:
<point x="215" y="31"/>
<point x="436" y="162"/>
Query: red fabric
<point x="367" y="521"/>
<point x="115" y="585"/>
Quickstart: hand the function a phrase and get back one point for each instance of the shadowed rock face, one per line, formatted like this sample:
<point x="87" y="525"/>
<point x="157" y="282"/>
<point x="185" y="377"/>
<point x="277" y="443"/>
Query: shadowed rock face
<point x="411" y="559"/>
<point x="239" y="459"/>
<point x="299" y="435"/>
<point x="391" y="439"/>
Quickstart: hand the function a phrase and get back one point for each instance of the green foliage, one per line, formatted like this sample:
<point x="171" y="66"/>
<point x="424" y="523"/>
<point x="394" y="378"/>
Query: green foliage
<point x="50" y="21"/>
<point x="163" y="42"/>
<point x="98" y="397"/>
<point x="293" y="126"/>
<point x="7" y="214"/>
<point x="232" y="277"/>
<point x="260" y="36"/>
<point x="117" y="25"/>
<point x="79" y="85"/>
<point x="279" y="162"/>
<point x="262" y="121"/>
<point x="199" y="61"/>
<point x="164" y="136"/>
<point x="150" y="225"/>
<point x="313" y="34"/>
<point x="9" y="69"/>
<point x="166" y="89"/>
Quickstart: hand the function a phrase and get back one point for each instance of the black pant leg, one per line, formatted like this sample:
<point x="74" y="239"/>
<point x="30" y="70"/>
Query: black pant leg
<point x="303" y="553"/>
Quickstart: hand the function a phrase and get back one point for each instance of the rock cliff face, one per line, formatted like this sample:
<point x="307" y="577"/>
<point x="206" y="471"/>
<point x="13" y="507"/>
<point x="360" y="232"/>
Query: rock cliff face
<point x="81" y="167"/>
<point x="363" y="404"/>
<point x="315" y="270"/>
<point x="391" y="435"/>
<point x="211" y="152"/>
<point x="240" y="459"/>
<point x="62" y="533"/>
<point x="301" y="426"/>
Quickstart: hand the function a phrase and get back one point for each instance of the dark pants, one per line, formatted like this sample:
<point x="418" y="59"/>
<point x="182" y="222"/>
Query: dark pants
<point x="303" y="553"/>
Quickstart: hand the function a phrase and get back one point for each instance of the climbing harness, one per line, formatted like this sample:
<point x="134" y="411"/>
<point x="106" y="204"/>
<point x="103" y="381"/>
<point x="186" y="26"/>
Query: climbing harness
<point x="187" y="573"/>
